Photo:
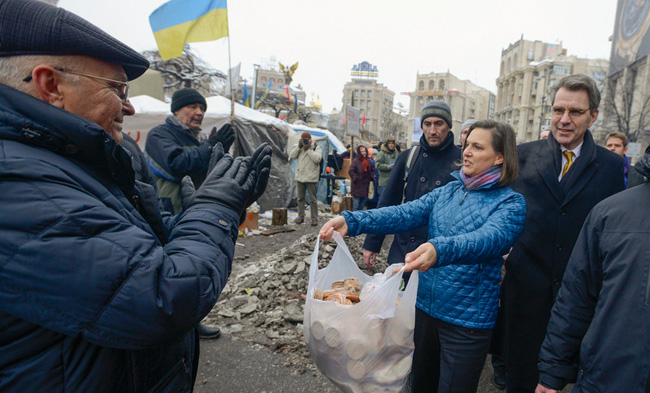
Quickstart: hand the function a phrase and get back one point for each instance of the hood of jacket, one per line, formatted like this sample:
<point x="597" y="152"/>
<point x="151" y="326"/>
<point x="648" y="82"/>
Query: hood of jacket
<point x="643" y="164"/>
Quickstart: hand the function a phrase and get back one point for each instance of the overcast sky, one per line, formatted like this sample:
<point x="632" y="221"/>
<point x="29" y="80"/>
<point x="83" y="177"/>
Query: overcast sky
<point x="400" y="38"/>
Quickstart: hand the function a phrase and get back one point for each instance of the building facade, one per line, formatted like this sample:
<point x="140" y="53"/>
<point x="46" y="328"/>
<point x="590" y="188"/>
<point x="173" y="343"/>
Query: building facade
<point x="372" y="98"/>
<point x="466" y="100"/>
<point x="528" y="71"/>
<point x="626" y="102"/>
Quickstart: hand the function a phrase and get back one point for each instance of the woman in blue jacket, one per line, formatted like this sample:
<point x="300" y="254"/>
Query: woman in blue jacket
<point x="472" y="222"/>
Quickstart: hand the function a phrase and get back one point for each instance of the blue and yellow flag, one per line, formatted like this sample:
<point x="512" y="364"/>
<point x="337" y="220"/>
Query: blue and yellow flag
<point x="179" y="22"/>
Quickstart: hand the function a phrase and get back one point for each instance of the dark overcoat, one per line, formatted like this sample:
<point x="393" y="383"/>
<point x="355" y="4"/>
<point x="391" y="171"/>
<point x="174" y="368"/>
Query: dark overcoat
<point x="536" y="264"/>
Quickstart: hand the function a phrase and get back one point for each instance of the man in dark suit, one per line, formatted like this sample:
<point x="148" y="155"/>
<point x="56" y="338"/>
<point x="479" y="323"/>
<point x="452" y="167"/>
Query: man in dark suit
<point x="562" y="178"/>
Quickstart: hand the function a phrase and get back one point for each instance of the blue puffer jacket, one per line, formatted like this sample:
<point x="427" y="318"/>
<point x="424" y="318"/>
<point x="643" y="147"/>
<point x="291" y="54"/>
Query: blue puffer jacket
<point x="90" y="300"/>
<point x="471" y="231"/>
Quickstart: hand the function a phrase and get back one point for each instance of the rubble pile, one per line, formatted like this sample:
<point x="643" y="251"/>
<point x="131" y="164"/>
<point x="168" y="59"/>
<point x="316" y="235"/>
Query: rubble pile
<point x="263" y="302"/>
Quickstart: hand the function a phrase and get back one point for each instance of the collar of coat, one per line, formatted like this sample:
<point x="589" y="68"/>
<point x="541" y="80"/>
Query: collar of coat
<point x="33" y="122"/>
<point x="443" y="147"/>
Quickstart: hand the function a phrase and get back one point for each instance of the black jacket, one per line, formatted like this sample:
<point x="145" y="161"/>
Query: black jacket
<point x="432" y="169"/>
<point x="600" y="325"/>
<point x="536" y="264"/>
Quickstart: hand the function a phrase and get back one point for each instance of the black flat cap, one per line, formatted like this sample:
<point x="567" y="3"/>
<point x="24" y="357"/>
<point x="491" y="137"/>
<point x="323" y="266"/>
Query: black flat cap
<point x="30" y="27"/>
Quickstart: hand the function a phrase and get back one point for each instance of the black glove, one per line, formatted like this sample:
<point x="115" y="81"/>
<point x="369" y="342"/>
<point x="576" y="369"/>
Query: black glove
<point x="225" y="135"/>
<point x="229" y="184"/>
<point x="187" y="185"/>
<point x="261" y="165"/>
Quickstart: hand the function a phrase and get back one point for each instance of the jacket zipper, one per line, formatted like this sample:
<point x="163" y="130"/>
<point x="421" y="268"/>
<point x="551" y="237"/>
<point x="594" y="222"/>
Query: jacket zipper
<point x="480" y="280"/>
<point x="647" y="289"/>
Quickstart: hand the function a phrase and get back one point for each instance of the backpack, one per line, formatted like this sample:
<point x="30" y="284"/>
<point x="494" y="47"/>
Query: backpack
<point x="412" y="158"/>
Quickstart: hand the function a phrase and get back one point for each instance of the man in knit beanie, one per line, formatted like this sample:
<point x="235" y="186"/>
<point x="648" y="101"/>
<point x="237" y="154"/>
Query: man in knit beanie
<point x="173" y="150"/>
<point x="464" y="130"/>
<point x="436" y="121"/>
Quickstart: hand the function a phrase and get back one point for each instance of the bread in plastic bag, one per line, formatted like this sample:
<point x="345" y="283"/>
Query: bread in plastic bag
<point x="366" y="347"/>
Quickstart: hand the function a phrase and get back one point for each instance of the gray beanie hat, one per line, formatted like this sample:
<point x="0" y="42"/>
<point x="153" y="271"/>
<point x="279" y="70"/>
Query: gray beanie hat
<point x="467" y="123"/>
<point x="436" y="108"/>
<point x="187" y="96"/>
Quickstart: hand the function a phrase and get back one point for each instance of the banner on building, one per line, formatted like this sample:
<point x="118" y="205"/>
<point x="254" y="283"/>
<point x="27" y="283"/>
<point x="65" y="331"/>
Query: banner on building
<point x="631" y="34"/>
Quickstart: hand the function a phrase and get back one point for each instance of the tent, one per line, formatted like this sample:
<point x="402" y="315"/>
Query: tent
<point x="252" y="128"/>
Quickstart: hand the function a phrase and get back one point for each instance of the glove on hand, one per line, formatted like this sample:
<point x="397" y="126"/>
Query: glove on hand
<point x="225" y="135"/>
<point x="229" y="184"/>
<point x="187" y="185"/>
<point x="261" y="165"/>
<point x="300" y="143"/>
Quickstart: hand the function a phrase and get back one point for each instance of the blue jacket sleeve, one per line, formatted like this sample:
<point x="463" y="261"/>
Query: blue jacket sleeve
<point x="391" y="196"/>
<point x="391" y="219"/>
<point x="74" y="265"/>
<point x="574" y="308"/>
<point x="493" y="238"/>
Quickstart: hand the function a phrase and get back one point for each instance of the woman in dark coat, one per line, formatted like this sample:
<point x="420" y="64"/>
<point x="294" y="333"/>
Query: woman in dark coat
<point x="362" y="172"/>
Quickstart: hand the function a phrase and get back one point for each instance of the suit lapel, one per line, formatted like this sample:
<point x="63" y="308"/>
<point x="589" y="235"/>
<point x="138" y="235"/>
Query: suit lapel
<point x="546" y="168"/>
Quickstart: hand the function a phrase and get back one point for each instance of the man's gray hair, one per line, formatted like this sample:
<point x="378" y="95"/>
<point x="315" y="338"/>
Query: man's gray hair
<point x="579" y="82"/>
<point x="13" y="69"/>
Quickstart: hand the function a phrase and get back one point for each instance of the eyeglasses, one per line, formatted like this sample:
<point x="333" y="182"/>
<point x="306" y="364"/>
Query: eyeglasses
<point x="121" y="88"/>
<point x="573" y="112"/>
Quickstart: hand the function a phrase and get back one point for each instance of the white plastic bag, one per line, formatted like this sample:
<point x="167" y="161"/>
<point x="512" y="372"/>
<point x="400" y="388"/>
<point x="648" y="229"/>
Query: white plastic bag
<point x="367" y="347"/>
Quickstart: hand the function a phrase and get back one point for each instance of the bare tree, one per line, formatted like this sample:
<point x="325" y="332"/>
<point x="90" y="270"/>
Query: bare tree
<point x="626" y="106"/>
<point x="188" y="70"/>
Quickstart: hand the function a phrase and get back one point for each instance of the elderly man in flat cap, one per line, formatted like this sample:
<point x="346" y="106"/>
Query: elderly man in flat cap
<point x="93" y="298"/>
<point x="173" y="149"/>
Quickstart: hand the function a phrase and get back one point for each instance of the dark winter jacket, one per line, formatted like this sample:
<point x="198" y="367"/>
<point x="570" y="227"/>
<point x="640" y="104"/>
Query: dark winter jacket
<point x="173" y="152"/>
<point x="556" y="212"/>
<point x="90" y="300"/>
<point x="138" y="161"/>
<point x="385" y="162"/>
<point x="430" y="170"/>
<point x="600" y="324"/>
<point x="471" y="231"/>
<point x="359" y="179"/>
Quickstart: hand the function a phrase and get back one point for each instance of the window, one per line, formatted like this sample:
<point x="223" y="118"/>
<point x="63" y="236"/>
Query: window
<point x="421" y="86"/>
<point x="562" y="70"/>
<point x="356" y="94"/>
<point x="598" y="76"/>
<point x="441" y="84"/>
<point x="432" y="85"/>
<point x="369" y="94"/>
<point x="363" y="94"/>
<point x="368" y="104"/>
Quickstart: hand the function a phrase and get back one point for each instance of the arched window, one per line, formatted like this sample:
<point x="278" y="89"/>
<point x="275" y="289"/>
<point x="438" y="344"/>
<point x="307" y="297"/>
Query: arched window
<point x="441" y="84"/>
<point x="432" y="85"/>
<point x="421" y="86"/>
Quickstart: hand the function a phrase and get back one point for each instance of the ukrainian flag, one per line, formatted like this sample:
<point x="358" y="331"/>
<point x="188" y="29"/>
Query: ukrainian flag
<point x="179" y="22"/>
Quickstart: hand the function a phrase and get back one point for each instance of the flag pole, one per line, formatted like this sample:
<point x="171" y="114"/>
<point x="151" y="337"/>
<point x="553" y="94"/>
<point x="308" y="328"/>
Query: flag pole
<point x="232" y="91"/>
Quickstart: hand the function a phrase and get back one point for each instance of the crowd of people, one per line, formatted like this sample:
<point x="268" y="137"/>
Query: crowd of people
<point x="111" y="257"/>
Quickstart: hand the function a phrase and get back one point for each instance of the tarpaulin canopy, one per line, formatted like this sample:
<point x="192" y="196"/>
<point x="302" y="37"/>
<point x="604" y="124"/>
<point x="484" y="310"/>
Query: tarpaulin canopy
<point x="252" y="128"/>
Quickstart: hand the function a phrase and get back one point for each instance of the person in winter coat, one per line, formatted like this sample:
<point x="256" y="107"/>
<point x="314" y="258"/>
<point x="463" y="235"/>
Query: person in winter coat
<point x="362" y="173"/>
<point x="432" y="162"/>
<point x="562" y="178"/>
<point x="90" y="298"/>
<point x="309" y="155"/>
<point x="386" y="159"/>
<point x="371" y="202"/>
<point x="617" y="142"/>
<point x="173" y="149"/>
<point x="600" y="324"/>
<point x="472" y="223"/>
